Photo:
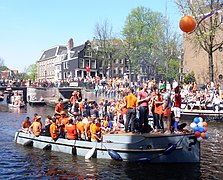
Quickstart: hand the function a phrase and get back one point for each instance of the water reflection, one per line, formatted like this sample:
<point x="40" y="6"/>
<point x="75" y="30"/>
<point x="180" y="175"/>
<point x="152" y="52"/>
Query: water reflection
<point x="18" y="162"/>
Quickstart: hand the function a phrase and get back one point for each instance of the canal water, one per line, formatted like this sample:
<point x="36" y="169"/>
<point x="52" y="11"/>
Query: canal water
<point x="18" y="162"/>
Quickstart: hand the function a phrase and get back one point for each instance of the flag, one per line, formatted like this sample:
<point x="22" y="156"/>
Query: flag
<point x="87" y="68"/>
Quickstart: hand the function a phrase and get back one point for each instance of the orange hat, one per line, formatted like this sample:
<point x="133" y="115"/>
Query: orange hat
<point x="38" y="117"/>
<point x="63" y="113"/>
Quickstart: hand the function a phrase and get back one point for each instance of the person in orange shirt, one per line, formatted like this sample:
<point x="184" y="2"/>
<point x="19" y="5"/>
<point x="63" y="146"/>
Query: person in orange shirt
<point x="71" y="130"/>
<point x="93" y="130"/>
<point x="131" y="103"/>
<point x="81" y="107"/>
<point x="159" y="110"/>
<point x="60" y="106"/>
<point x="63" y="120"/>
<point x="36" y="126"/>
<point x="73" y="97"/>
<point x="80" y="128"/>
<point x="54" y="132"/>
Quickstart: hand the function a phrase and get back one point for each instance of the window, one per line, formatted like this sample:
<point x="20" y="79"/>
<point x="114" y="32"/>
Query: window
<point x="65" y="65"/>
<point x="116" y="61"/>
<point x="221" y="18"/>
<point x="121" y="61"/>
<point x="87" y="61"/>
<point x="93" y="64"/>
<point x="121" y="70"/>
<point x="81" y="63"/>
<point x="87" y="54"/>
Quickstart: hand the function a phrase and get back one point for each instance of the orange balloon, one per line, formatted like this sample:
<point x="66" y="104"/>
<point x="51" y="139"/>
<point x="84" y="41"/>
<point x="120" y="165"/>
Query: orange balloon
<point x="203" y="135"/>
<point x="205" y="124"/>
<point x="187" y="24"/>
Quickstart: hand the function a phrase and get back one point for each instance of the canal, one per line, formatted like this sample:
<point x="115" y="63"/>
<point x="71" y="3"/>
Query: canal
<point x="18" y="162"/>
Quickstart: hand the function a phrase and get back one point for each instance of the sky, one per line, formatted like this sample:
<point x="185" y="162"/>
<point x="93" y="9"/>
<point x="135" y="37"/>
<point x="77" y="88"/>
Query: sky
<point x="28" y="27"/>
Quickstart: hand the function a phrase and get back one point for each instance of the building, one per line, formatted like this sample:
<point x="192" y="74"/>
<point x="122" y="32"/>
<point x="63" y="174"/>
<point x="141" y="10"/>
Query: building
<point x="66" y="62"/>
<point x="197" y="60"/>
<point x="9" y="74"/>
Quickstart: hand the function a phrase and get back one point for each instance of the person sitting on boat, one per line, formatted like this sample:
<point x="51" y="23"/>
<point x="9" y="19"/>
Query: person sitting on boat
<point x="36" y="126"/>
<point x="94" y="131"/>
<point x="48" y="121"/>
<point x="106" y="124"/>
<point x="60" y="106"/>
<point x="26" y="124"/>
<point x="63" y="120"/>
<point x="34" y="119"/>
<point x="54" y="131"/>
<point x="80" y="128"/>
<point x="71" y="130"/>
<point x="216" y="102"/>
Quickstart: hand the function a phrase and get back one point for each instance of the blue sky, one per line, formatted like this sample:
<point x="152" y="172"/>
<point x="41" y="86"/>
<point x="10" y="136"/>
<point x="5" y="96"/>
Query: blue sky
<point x="28" y="27"/>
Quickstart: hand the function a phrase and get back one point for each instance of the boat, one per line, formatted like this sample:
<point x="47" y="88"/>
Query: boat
<point x="37" y="102"/>
<point x="207" y="115"/>
<point x="16" y="105"/>
<point x="152" y="148"/>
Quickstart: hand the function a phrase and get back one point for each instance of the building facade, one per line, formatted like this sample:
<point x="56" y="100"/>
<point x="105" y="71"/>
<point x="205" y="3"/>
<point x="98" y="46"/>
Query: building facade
<point x="197" y="60"/>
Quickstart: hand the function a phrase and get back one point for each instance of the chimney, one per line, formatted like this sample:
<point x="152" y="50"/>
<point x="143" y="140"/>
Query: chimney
<point x="70" y="45"/>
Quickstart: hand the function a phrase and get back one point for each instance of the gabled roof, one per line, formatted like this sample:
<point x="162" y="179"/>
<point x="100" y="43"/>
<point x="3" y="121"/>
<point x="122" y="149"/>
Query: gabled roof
<point x="75" y="50"/>
<point x="49" y="53"/>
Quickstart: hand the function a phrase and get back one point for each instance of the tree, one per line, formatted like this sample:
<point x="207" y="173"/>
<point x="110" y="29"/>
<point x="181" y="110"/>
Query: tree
<point x="190" y="77"/>
<point x="32" y="72"/>
<point x="204" y="37"/>
<point x="2" y="65"/>
<point x="103" y="36"/>
<point x="148" y="38"/>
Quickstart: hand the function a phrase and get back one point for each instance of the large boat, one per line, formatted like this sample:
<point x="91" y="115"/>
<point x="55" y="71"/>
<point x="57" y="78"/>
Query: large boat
<point x="207" y="115"/>
<point x="174" y="148"/>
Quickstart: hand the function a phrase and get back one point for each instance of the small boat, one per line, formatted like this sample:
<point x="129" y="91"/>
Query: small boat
<point x="174" y="148"/>
<point x="16" y="105"/>
<point x="36" y="102"/>
<point x="207" y="115"/>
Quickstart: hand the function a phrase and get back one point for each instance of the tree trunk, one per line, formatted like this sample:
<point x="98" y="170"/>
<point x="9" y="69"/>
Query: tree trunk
<point x="211" y="67"/>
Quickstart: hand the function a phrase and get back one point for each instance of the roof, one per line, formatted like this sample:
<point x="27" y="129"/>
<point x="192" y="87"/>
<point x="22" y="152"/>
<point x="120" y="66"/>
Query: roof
<point x="76" y="50"/>
<point x="58" y="50"/>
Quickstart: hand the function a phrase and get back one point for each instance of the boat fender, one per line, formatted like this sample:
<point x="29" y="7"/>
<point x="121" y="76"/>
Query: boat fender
<point x="145" y="159"/>
<point x="47" y="147"/>
<point x="90" y="153"/>
<point x="28" y="143"/>
<point x="114" y="155"/>
<point x="170" y="149"/>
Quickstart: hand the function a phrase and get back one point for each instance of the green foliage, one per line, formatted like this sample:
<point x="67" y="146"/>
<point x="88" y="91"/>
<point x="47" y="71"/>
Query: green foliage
<point x="32" y="72"/>
<point x="190" y="77"/>
<point x="2" y="68"/>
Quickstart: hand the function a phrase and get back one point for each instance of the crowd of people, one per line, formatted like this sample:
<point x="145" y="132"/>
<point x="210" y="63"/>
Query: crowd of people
<point x="127" y="108"/>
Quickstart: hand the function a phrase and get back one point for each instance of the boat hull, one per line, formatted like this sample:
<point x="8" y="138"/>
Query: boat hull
<point x="37" y="103"/>
<point x="207" y="115"/>
<point x="129" y="147"/>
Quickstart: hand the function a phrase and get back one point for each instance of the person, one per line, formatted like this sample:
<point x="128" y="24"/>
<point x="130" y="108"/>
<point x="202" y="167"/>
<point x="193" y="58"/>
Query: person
<point x="36" y="126"/>
<point x="63" y="120"/>
<point x="34" y="119"/>
<point x="143" y="99"/>
<point x="26" y="124"/>
<point x="54" y="132"/>
<point x="93" y="130"/>
<point x="216" y="102"/>
<point x="48" y="122"/>
<point x="131" y="103"/>
<point x="80" y="128"/>
<point x="176" y="108"/>
<point x="60" y="106"/>
<point x="159" y="111"/>
<point x="71" y="130"/>
<point x="166" y="109"/>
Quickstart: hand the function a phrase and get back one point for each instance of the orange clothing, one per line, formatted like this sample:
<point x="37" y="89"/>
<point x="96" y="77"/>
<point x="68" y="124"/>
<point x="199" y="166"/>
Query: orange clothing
<point x="159" y="106"/>
<point x="59" y="107"/>
<point x="63" y="121"/>
<point x="80" y="127"/>
<point x="87" y="130"/>
<point x="81" y="106"/>
<point x="71" y="131"/>
<point x="73" y="99"/>
<point x="167" y="112"/>
<point x="131" y="101"/>
<point x="36" y="128"/>
<point x="93" y="129"/>
<point x="53" y="131"/>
